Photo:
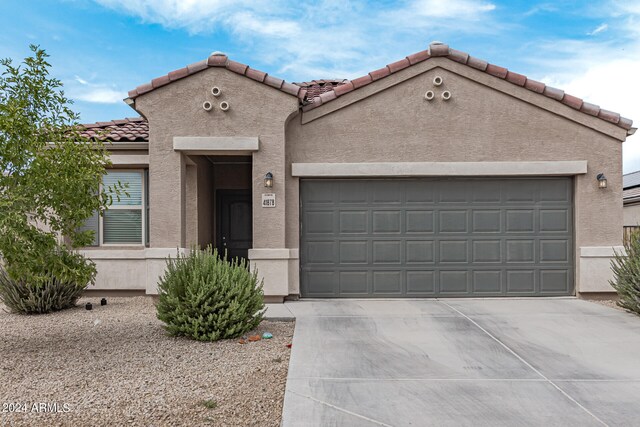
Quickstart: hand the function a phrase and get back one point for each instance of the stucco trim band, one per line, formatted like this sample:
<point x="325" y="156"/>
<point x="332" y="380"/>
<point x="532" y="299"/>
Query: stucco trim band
<point x="269" y="253"/>
<point x="600" y="251"/>
<point x="129" y="159"/>
<point x="215" y="144"/>
<point x="400" y="169"/>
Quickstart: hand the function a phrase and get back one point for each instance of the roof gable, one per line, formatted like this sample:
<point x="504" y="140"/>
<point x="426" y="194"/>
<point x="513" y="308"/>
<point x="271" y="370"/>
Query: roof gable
<point x="443" y="51"/>
<point x="217" y="59"/>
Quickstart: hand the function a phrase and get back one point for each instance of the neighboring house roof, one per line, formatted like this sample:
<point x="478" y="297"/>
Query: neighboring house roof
<point x="134" y="129"/>
<point x="631" y="188"/>
<point x="631" y="180"/>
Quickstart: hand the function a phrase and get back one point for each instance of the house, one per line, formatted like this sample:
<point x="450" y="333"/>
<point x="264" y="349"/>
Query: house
<point x="631" y="201"/>
<point x="439" y="175"/>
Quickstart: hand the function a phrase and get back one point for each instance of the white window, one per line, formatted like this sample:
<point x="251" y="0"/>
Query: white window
<point x="125" y="221"/>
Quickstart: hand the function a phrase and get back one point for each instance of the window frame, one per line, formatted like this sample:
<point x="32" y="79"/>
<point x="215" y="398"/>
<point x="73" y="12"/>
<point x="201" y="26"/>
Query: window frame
<point x="142" y="207"/>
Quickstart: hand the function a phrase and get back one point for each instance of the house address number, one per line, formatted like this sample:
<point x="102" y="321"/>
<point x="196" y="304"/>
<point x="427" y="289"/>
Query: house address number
<point x="268" y="200"/>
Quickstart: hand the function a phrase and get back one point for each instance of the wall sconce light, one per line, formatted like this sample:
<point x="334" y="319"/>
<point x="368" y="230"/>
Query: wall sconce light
<point x="602" y="180"/>
<point x="268" y="180"/>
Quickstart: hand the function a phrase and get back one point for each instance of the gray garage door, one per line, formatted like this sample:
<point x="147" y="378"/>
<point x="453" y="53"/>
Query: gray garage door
<point x="436" y="237"/>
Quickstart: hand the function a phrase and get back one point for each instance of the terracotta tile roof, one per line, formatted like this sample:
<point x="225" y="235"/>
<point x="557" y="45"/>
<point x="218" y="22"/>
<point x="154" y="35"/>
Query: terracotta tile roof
<point x="437" y="49"/>
<point x="318" y="87"/>
<point x="219" y="59"/>
<point x="134" y="129"/>
<point x="314" y="93"/>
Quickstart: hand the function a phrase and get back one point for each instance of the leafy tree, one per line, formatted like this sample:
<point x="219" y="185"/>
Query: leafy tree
<point x="49" y="180"/>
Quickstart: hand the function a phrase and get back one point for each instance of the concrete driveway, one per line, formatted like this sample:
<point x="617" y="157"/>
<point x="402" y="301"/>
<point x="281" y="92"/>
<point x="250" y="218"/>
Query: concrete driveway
<point x="461" y="362"/>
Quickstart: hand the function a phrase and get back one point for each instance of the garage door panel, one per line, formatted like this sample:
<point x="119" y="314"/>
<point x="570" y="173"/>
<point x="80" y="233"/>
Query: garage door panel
<point x="354" y="252"/>
<point x="386" y="193"/>
<point x="387" y="252"/>
<point x="320" y="252"/>
<point x="319" y="222"/>
<point x="421" y="282"/>
<point x="554" y="281"/>
<point x="554" y="251"/>
<point x="419" y="251"/>
<point x="487" y="251"/>
<point x="556" y="191"/>
<point x="319" y="283"/>
<point x="387" y="282"/>
<point x="354" y="192"/>
<point x="521" y="281"/>
<point x="353" y="283"/>
<point x="487" y="282"/>
<point x="454" y="192"/>
<point x="419" y="221"/>
<point x="387" y="222"/>
<point x="520" y="221"/>
<point x="453" y="221"/>
<point x="554" y="220"/>
<point x="454" y="282"/>
<point x="519" y="251"/>
<point x="521" y="192"/>
<point x="453" y="251"/>
<point x="321" y="193"/>
<point x="487" y="221"/>
<point x="436" y="237"/>
<point x="416" y="192"/>
<point x="486" y="192"/>
<point x="354" y="222"/>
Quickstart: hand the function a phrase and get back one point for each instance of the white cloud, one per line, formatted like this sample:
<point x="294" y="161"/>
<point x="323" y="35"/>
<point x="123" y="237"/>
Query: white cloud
<point x="601" y="72"/>
<point x="469" y="9"/>
<point x="302" y="38"/>
<point x="83" y="90"/>
<point x="600" y="28"/>
<point x="101" y="96"/>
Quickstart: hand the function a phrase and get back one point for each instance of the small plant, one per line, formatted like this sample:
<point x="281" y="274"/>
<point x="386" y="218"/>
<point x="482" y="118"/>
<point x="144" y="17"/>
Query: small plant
<point x="626" y="272"/>
<point x="209" y="404"/>
<point x="54" y="288"/>
<point x="208" y="298"/>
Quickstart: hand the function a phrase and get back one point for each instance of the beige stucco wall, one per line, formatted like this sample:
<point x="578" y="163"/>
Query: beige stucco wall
<point x="479" y="123"/>
<point x="257" y="110"/>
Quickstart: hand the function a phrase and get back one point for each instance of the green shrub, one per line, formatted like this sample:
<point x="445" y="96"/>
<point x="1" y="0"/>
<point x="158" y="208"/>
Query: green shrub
<point x="626" y="272"/>
<point x="207" y="298"/>
<point x="53" y="281"/>
<point x="35" y="298"/>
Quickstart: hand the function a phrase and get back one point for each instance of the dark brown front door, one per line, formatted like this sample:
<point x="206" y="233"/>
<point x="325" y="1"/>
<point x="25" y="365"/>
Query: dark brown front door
<point x="234" y="220"/>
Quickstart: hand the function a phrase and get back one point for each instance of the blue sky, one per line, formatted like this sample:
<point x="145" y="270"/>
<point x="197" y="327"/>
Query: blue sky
<point x="101" y="49"/>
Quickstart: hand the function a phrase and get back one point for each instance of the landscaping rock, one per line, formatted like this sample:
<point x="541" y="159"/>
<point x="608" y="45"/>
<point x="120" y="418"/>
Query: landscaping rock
<point x="114" y="365"/>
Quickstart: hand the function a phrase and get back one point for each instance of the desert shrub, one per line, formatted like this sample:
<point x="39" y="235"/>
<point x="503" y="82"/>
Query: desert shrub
<point x="50" y="289"/>
<point x="626" y="273"/>
<point x="208" y="298"/>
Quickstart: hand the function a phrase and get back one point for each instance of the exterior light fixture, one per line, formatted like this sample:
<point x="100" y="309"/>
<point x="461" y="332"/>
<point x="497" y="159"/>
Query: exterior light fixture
<point x="268" y="180"/>
<point x="602" y="180"/>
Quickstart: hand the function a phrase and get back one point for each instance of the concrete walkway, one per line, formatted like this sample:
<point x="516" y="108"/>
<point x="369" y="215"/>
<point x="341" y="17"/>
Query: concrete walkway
<point x="462" y="363"/>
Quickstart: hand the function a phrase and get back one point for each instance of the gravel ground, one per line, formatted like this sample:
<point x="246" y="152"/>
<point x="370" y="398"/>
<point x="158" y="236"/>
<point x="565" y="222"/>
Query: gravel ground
<point x="608" y="302"/>
<point x="115" y="365"/>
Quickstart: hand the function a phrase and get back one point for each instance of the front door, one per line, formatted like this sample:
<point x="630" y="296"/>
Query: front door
<point x="234" y="223"/>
